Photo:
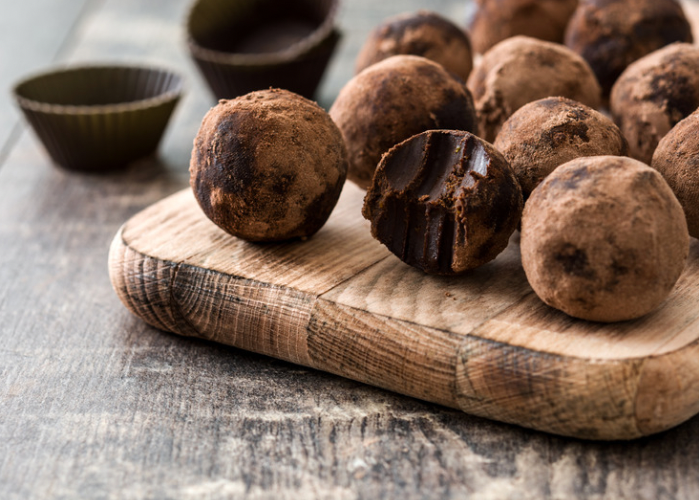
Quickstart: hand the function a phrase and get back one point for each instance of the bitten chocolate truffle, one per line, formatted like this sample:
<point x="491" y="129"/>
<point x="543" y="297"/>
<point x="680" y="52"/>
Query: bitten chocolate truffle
<point x="603" y="239"/>
<point x="393" y="100"/>
<point x="268" y="166"/>
<point x="521" y="70"/>
<point x="444" y="202"/>
<point x="549" y="132"/>
<point x="611" y="34"/>
<point x="496" y="20"/>
<point x="423" y="34"/>
<point x="677" y="159"/>
<point x="654" y="94"/>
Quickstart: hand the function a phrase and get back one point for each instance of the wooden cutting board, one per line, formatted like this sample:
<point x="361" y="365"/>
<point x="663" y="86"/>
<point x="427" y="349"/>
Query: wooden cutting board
<point x="483" y="342"/>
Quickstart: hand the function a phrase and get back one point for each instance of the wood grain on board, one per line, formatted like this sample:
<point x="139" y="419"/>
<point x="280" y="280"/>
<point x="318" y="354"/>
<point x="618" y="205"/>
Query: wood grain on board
<point x="482" y="342"/>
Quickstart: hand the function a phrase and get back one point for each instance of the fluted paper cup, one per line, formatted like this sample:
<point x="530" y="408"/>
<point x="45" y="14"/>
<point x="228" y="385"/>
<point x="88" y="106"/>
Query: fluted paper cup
<point x="93" y="118"/>
<point x="246" y="45"/>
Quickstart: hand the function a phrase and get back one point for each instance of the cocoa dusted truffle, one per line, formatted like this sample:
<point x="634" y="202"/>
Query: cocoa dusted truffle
<point x="268" y="166"/>
<point x="393" y="100"/>
<point x="611" y="34"/>
<point x="547" y="133"/>
<point x="521" y="70"/>
<point x="444" y="202"/>
<point x="496" y="20"/>
<point x="677" y="159"/>
<point x="423" y="34"/>
<point x="654" y="94"/>
<point x="603" y="239"/>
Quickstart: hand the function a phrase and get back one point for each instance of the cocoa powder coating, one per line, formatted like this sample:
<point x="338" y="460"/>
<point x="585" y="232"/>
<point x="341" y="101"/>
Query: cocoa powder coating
<point x="268" y="166"/>
<point x="603" y="239"/>
<point x="520" y="70"/>
<point x="611" y="34"/>
<point x="422" y="33"/>
<point x="496" y="20"/>
<point x="549" y="132"/>
<point x="393" y="100"/>
<point x="677" y="159"/>
<point x="654" y="94"/>
<point x="444" y="202"/>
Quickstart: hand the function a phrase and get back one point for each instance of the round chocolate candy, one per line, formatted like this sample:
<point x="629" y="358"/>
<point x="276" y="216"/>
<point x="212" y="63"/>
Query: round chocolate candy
<point x="677" y="159"/>
<point x="444" y="201"/>
<point x="393" y="100"/>
<point x="421" y="33"/>
<point x="268" y="166"/>
<point x="603" y="239"/>
<point x="611" y="34"/>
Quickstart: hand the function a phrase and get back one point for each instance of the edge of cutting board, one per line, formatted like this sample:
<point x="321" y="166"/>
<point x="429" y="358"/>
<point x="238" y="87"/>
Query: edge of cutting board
<point x="483" y="343"/>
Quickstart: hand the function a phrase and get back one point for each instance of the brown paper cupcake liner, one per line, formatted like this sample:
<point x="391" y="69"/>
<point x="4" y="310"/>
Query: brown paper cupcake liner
<point x="301" y="75"/>
<point x="94" y="118"/>
<point x="247" y="45"/>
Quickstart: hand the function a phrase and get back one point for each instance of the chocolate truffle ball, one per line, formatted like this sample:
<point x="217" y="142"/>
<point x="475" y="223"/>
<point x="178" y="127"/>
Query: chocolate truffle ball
<point x="611" y="34"/>
<point x="603" y="239"/>
<point x="444" y="202"/>
<point x="547" y="133"/>
<point x="521" y="70"/>
<point x="268" y="166"/>
<point x="677" y="159"/>
<point x="423" y="34"/>
<point x="496" y="20"/>
<point x="654" y="94"/>
<point x="393" y="100"/>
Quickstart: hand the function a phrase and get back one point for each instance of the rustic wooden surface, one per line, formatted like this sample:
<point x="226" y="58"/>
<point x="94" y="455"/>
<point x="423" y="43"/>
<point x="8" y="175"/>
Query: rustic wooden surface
<point x="95" y="404"/>
<point x="482" y="342"/>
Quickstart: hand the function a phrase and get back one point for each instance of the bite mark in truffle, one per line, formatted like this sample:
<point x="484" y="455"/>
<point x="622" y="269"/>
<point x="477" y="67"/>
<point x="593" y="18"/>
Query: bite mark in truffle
<point x="444" y="202"/>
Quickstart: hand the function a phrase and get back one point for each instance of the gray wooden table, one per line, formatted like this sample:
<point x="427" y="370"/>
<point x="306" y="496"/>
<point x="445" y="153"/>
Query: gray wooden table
<point x="95" y="404"/>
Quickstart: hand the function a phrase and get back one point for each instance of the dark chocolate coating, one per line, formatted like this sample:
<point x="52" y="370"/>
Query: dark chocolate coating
<point x="393" y="100"/>
<point x="496" y="20"/>
<point x="549" y="132"/>
<point x="268" y="166"/>
<point x="603" y="239"/>
<point x="677" y="159"/>
<point x="444" y="201"/>
<point x="424" y="34"/>
<point x="654" y="94"/>
<point x="611" y="34"/>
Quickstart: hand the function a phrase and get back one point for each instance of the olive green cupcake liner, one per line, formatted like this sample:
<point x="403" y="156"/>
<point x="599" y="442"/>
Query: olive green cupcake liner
<point x="94" y="118"/>
<point x="245" y="45"/>
<point x="302" y="75"/>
